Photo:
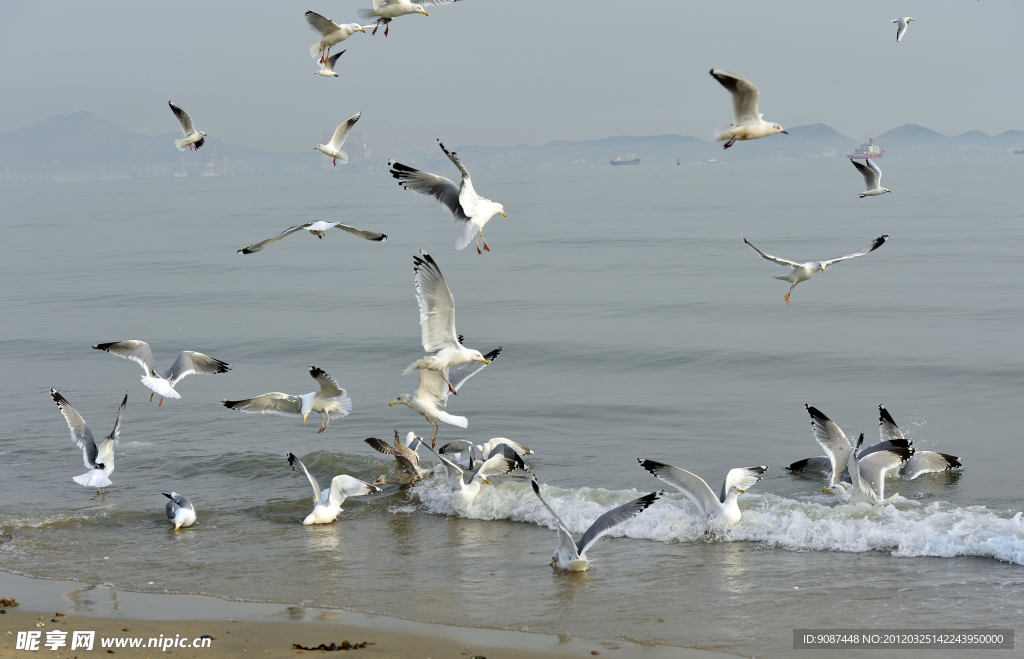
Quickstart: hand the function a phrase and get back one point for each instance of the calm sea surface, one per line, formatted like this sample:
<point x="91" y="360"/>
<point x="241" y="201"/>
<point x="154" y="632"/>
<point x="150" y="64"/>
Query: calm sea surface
<point x="635" y="323"/>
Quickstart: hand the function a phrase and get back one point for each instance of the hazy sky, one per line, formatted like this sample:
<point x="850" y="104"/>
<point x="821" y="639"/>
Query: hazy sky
<point x="502" y="72"/>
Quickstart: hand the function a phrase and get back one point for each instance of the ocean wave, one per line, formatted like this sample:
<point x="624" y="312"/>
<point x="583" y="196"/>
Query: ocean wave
<point x="904" y="529"/>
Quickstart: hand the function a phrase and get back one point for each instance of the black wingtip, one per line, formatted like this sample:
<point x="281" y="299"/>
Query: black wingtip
<point x="168" y="496"/>
<point x="291" y="460"/>
<point x="492" y="355"/>
<point x="952" y="461"/>
<point x="799" y="465"/>
<point x="815" y="413"/>
<point x="651" y="465"/>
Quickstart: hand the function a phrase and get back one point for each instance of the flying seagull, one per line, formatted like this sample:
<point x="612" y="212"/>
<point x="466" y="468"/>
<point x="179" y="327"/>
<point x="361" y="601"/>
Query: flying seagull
<point x="331" y="401"/>
<point x="804" y="271"/>
<point x="180" y="510"/>
<point x="387" y="10"/>
<point x="332" y="33"/>
<point x="465" y="492"/>
<point x="193" y="140"/>
<point x="333" y="148"/>
<point x="922" y="462"/>
<point x="468" y="208"/>
<point x="872" y="178"/>
<point x="328" y="69"/>
<point x="163" y="382"/>
<point x="572" y="555"/>
<point x="901" y="26"/>
<point x="431" y="396"/>
<point x="318" y="229"/>
<point x="407" y="460"/>
<point x="98" y="458"/>
<point x="721" y="506"/>
<point x="748" y="123"/>
<point x="437" y="322"/>
<point x="327" y="503"/>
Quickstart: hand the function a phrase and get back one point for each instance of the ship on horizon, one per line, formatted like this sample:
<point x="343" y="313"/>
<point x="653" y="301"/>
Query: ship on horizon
<point x="620" y="161"/>
<point x="867" y="150"/>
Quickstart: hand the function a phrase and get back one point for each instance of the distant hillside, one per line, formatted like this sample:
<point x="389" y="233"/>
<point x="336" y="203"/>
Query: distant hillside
<point x="83" y="146"/>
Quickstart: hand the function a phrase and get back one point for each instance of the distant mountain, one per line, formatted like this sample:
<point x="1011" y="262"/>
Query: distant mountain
<point x="914" y="140"/>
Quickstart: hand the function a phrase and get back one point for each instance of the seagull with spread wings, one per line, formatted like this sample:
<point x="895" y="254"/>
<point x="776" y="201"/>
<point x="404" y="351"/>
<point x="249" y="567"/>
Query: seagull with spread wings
<point x="328" y="68"/>
<point x="387" y="10"/>
<point x="722" y="506"/>
<point x="804" y="271"/>
<point x="331" y="401"/>
<point x="193" y="139"/>
<point x="333" y="148"/>
<point x="332" y="33"/>
<point x="901" y="26"/>
<point x="922" y="462"/>
<point x="572" y="554"/>
<point x="465" y="492"/>
<point x="748" y="123"/>
<point x="163" y="382"/>
<point x="468" y="208"/>
<point x="327" y="502"/>
<point x="99" y="458"/>
<point x="407" y="460"/>
<point x="318" y="229"/>
<point x="872" y="178"/>
<point x="431" y="396"/>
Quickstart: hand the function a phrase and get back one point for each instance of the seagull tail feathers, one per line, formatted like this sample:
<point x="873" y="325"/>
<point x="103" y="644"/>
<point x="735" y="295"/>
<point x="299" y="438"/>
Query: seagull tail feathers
<point x="181" y="144"/>
<point x="451" y="419"/>
<point x="466" y="235"/>
<point x="314" y="51"/>
<point x="418" y="364"/>
<point x="93" y="478"/>
<point x="160" y="386"/>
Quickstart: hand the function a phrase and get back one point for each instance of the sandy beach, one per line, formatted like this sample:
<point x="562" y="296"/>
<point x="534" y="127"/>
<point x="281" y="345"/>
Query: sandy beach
<point x="245" y="629"/>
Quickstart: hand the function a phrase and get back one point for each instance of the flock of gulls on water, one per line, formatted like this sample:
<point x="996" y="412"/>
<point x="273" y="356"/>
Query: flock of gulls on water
<point x="854" y="472"/>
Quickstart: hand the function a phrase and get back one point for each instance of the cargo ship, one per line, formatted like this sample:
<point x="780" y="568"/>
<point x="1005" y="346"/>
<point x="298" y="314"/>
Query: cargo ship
<point x="620" y="161"/>
<point x="867" y="150"/>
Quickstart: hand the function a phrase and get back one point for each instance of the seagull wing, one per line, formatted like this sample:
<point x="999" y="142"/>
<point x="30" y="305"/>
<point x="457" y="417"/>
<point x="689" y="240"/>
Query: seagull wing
<point x="137" y="351"/>
<point x="506" y="451"/>
<point x="458" y="375"/>
<point x="887" y="428"/>
<point x="432" y="185"/>
<point x="292" y="460"/>
<point x="452" y="471"/>
<point x="321" y="24"/>
<point x="817" y="465"/>
<point x="273" y="403"/>
<point x="432" y="390"/>
<point x="871" y="179"/>
<point x="183" y="118"/>
<point x="407" y="456"/>
<point x="613" y="518"/>
<point x="878" y="172"/>
<point x="741" y="478"/>
<point x="380" y="446"/>
<point x="341" y="132"/>
<point x="437" y="305"/>
<point x="774" y="259"/>
<point x="458" y="446"/>
<point x="263" y="244"/>
<point x="329" y="387"/>
<point x="744" y="96"/>
<point x="873" y="468"/>
<point x="693" y="486"/>
<point x="870" y="247"/>
<point x="368" y="235"/>
<point x="494" y="466"/>
<point x="564" y="537"/>
<point x="179" y="501"/>
<point x="832" y="439"/>
<point x="926" y="462"/>
<point x="516" y="446"/>
<point x="115" y="434"/>
<point x="189" y="362"/>
<point x="352" y="487"/>
<point x="80" y="433"/>
<point x="467" y="195"/>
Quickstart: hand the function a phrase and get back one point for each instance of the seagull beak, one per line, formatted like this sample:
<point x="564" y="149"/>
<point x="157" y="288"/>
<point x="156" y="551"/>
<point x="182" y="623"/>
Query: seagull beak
<point x="304" y="418"/>
<point x="826" y="490"/>
<point x="742" y="491"/>
<point x="426" y="14"/>
<point x="392" y="403"/>
<point x="177" y="526"/>
<point x="785" y="133"/>
<point x="362" y="30"/>
<point x="486" y="361"/>
<point x="487" y="481"/>
<point x="822" y="269"/>
<point x="503" y="215"/>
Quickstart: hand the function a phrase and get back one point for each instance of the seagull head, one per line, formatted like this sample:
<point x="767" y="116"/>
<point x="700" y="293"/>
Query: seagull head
<point x="839" y="489"/>
<point x="501" y="209"/>
<point x="404" y="399"/>
<point x="477" y="357"/>
<point x="420" y="10"/>
<point x="778" y="129"/>
<point x="821" y="266"/>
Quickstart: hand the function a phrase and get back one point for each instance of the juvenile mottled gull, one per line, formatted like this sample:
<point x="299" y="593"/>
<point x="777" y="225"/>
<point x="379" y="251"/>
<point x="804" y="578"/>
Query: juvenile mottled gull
<point x="572" y="555"/>
<point x="180" y="510"/>
<point x="407" y="460"/>
<point x="327" y="503"/>
<point x="331" y="401"/>
<point x="163" y="382"/>
<point x="748" y="123"/>
<point x="98" y="458"/>
<point x="318" y="229"/>
<point x="804" y="271"/>
<point x="722" y="506"/>
<point x="193" y="139"/>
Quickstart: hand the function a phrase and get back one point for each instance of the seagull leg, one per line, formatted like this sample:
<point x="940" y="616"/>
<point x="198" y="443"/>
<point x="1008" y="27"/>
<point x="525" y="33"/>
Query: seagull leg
<point x="161" y="403"/>
<point x="729" y="143"/>
<point x="433" y="439"/>
<point x="477" y="245"/>
<point x="790" y="292"/>
<point x="335" y="162"/>
<point x="450" y="387"/>
<point x="387" y="26"/>
<point x="485" y="240"/>
<point x="326" y="54"/>
<point x="327" y="421"/>
<point x="321" y="423"/>
<point x="375" y="28"/>
<point x="151" y="398"/>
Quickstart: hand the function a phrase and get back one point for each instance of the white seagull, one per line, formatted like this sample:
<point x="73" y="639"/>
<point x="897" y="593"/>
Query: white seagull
<point x="432" y="394"/>
<point x="163" y="382"/>
<point x="804" y="271"/>
<point x="572" y="555"/>
<point x="467" y="207"/>
<point x="748" y="123"/>
<point x="872" y="178"/>
<point x="386" y="10"/>
<point x="465" y="492"/>
<point x="333" y="148"/>
<point x="407" y="460"/>
<point x="922" y="462"/>
<point x="495" y="446"/>
<point x="332" y="33"/>
<point x="823" y="464"/>
<point x="98" y="458"/>
<point x="327" y="502"/>
<point x="180" y="510"/>
<point x="722" y="506"/>
<point x="867" y="473"/>
<point x="901" y="26"/>
<point x="437" y="322"/>
<point x="318" y="229"/>
<point x="328" y="69"/>
<point x="331" y="401"/>
<point x="193" y="139"/>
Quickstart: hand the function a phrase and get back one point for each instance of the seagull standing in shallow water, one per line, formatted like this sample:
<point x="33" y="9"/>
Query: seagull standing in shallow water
<point x="804" y="271"/>
<point x="872" y="178"/>
<point x="333" y="148"/>
<point x="748" y="123"/>
<point x="180" y="510"/>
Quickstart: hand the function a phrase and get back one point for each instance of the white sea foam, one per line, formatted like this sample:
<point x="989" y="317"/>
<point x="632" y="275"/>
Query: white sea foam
<point x="905" y="528"/>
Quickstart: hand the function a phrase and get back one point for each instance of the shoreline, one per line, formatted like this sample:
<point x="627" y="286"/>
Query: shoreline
<point x="246" y="629"/>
